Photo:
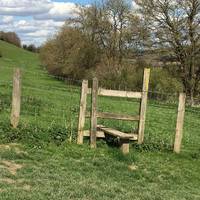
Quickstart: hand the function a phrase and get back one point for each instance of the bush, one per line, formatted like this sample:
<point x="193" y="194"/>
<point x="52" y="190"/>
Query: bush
<point x="1" y="54"/>
<point x="163" y="82"/>
<point x="69" y="54"/>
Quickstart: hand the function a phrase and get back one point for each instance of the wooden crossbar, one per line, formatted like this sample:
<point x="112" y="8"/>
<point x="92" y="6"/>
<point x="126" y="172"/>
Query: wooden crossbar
<point x="117" y="93"/>
<point x="106" y="115"/>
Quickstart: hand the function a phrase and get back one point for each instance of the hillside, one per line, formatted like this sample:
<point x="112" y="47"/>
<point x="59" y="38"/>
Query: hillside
<point x="40" y="160"/>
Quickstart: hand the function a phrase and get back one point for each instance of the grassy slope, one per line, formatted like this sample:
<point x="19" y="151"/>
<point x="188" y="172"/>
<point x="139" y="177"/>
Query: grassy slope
<point x="72" y="172"/>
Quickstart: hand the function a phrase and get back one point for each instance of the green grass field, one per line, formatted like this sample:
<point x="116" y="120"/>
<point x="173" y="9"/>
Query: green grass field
<point x="40" y="160"/>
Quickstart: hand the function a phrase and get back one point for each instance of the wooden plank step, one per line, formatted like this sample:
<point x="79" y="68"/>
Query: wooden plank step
<point x="117" y="133"/>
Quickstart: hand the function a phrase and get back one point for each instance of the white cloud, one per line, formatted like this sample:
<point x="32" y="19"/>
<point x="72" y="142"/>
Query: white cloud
<point x="24" y="7"/>
<point x="39" y="19"/>
<point x="7" y="19"/>
<point x="59" y="11"/>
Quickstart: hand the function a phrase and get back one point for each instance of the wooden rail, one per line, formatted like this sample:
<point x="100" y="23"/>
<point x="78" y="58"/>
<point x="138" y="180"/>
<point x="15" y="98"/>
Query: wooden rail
<point x="106" y="115"/>
<point x="117" y="93"/>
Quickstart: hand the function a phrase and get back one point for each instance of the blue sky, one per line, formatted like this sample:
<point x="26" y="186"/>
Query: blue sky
<point x="36" y="20"/>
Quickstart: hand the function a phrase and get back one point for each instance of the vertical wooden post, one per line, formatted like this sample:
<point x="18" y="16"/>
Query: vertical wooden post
<point x="179" y="123"/>
<point x="16" y="98"/>
<point x="94" y="114"/>
<point x="143" y="106"/>
<point x="124" y="143"/>
<point x="83" y="103"/>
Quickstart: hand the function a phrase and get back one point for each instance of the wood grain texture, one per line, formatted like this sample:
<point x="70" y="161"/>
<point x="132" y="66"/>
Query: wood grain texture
<point x="117" y="93"/>
<point x="94" y="114"/>
<point x="124" y="146"/>
<point x="116" y="133"/>
<point x="180" y="123"/>
<point x="143" y="106"/>
<point x="16" y="98"/>
<point x="82" y="111"/>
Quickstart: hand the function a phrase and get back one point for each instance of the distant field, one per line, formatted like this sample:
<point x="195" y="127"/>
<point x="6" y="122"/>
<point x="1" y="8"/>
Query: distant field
<point x="43" y="164"/>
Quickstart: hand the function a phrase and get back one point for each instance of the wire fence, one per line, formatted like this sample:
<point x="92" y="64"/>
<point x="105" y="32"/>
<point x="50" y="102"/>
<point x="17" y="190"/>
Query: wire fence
<point x="50" y="109"/>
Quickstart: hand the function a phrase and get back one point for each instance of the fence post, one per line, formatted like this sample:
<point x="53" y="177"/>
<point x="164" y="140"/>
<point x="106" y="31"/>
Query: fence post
<point x="82" y="112"/>
<point x="16" y="98"/>
<point x="179" y="123"/>
<point x="94" y="113"/>
<point x="143" y="106"/>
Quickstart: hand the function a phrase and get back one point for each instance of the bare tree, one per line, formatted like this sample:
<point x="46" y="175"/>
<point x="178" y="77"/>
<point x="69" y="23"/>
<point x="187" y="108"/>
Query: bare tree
<point x="174" y="24"/>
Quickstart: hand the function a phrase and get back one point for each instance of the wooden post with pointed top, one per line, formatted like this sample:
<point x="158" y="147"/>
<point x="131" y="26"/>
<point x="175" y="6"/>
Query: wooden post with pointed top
<point x="143" y="106"/>
<point x="179" y="123"/>
<point x="82" y="112"/>
<point x="16" y="98"/>
<point x="93" y="132"/>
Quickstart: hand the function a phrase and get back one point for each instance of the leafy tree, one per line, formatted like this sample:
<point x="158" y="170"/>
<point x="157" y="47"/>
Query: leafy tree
<point x="175" y="26"/>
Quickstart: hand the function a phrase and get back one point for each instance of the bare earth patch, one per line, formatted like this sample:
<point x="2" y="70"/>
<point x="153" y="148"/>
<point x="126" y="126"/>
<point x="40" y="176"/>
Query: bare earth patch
<point x="11" y="166"/>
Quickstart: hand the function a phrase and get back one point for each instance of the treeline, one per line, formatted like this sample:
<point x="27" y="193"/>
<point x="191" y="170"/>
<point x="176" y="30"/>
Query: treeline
<point x="31" y="47"/>
<point x="114" y="41"/>
<point x="13" y="38"/>
<point x="10" y="37"/>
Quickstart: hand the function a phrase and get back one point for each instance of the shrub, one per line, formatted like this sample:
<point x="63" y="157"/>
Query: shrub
<point x="69" y="54"/>
<point x="162" y="81"/>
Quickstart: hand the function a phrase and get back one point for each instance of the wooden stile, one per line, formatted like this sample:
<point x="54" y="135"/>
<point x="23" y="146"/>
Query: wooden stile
<point x="180" y="122"/>
<point x="82" y="112"/>
<point x="16" y="98"/>
<point x="93" y="133"/>
<point x="143" y="106"/>
<point x="99" y="131"/>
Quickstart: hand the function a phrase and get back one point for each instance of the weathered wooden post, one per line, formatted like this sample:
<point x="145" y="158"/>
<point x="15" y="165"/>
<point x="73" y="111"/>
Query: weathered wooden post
<point x="124" y="146"/>
<point x="82" y="112"/>
<point x="93" y="132"/>
<point x="179" y="123"/>
<point x="143" y="106"/>
<point x="16" y="98"/>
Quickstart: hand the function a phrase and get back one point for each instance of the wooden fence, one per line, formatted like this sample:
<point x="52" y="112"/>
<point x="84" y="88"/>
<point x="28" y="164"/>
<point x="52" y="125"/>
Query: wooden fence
<point x="99" y="131"/>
